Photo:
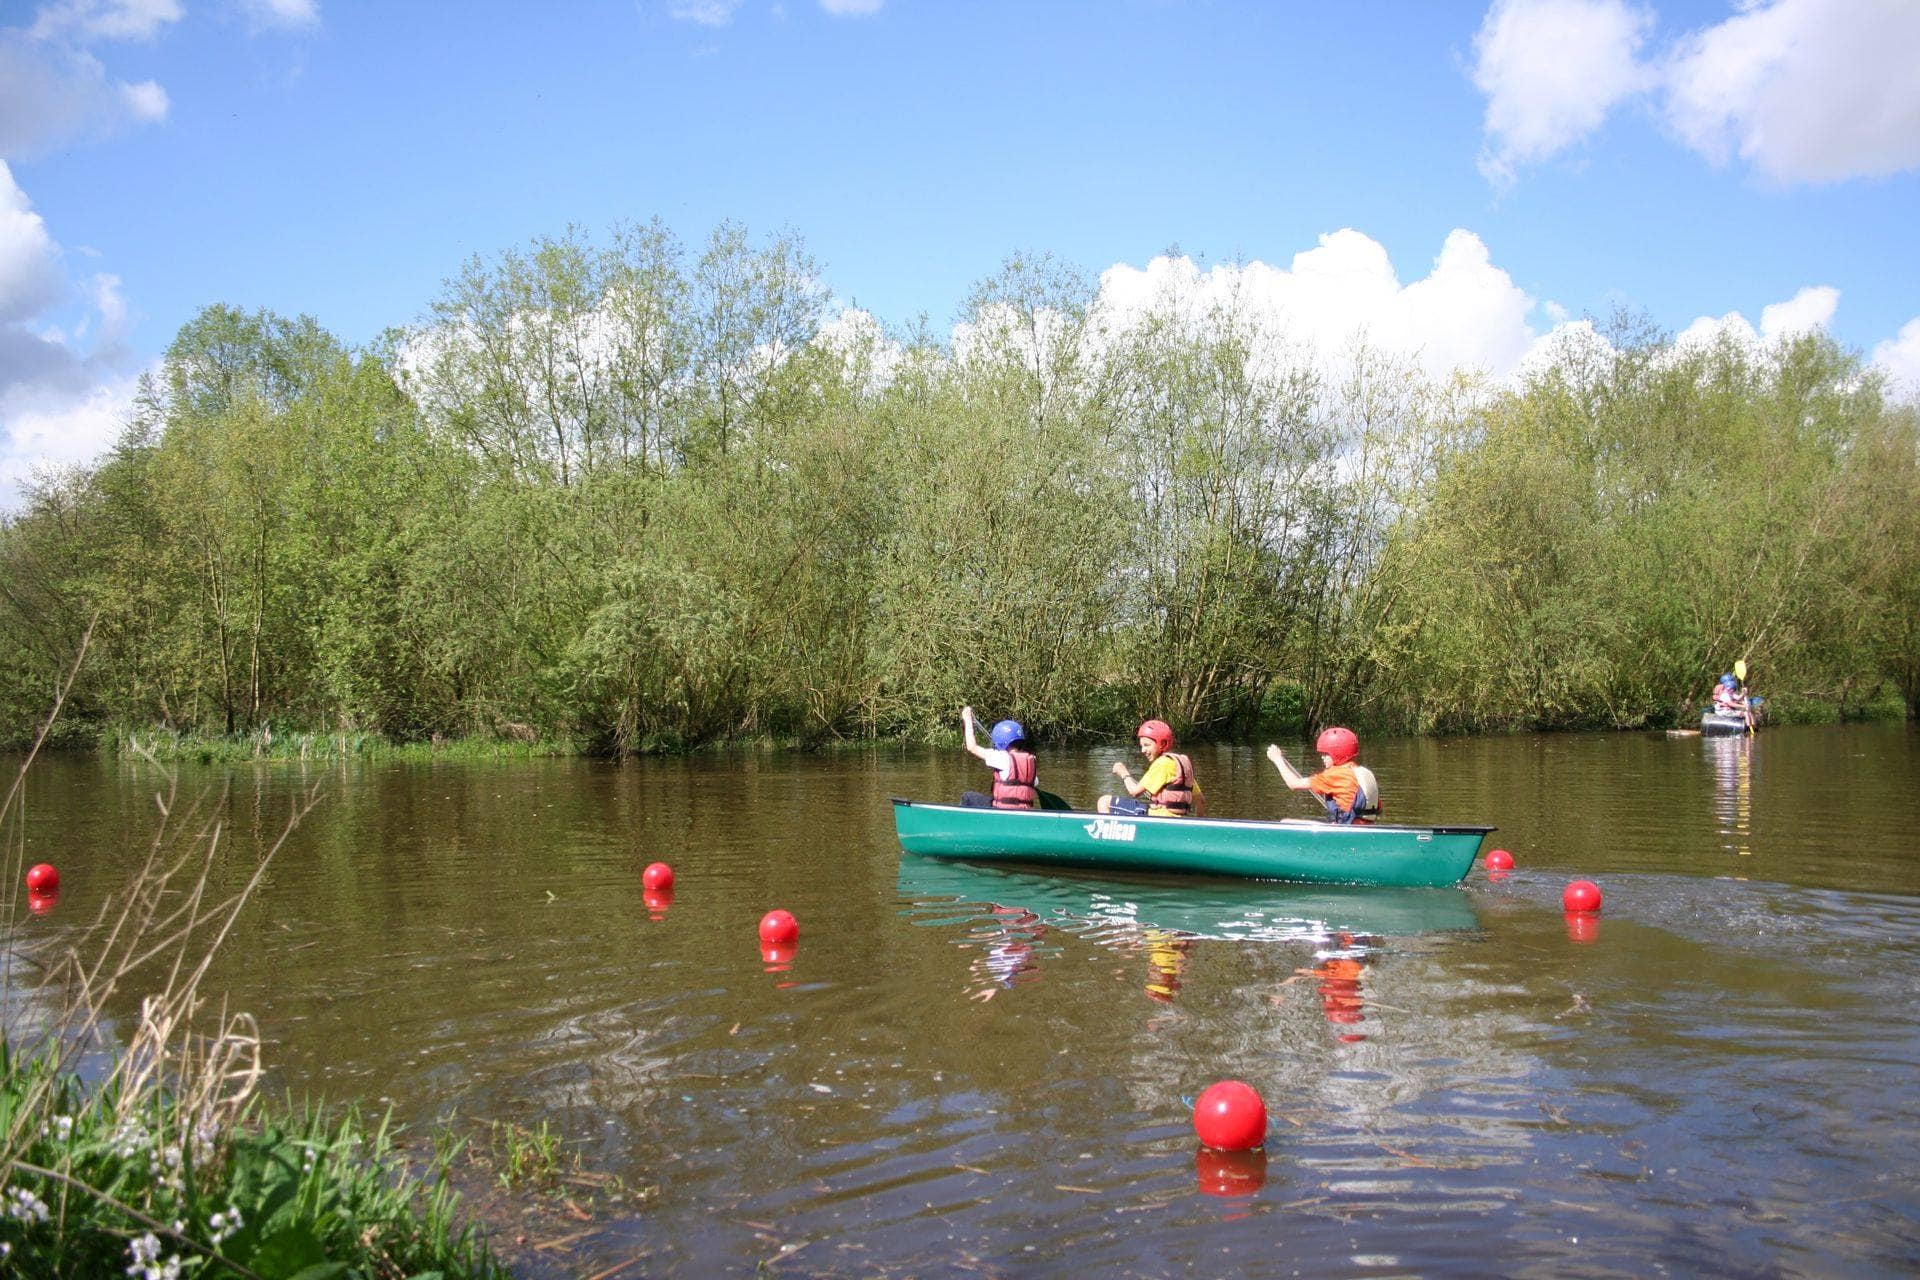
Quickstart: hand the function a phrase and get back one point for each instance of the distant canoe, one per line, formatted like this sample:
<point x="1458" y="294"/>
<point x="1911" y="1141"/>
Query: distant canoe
<point x="1714" y="724"/>
<point x="1314" y="852"/>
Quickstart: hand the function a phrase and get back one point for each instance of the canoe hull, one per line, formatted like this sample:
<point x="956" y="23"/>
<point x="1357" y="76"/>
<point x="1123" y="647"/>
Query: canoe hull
<point x="1714" y="724"/>
<point x="1297" y="850"/>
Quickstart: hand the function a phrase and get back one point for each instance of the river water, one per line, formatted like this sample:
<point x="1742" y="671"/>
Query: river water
<point x="968" y="1071"/>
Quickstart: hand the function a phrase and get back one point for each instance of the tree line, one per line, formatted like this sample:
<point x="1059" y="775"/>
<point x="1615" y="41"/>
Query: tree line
<point x="637" y="495"/>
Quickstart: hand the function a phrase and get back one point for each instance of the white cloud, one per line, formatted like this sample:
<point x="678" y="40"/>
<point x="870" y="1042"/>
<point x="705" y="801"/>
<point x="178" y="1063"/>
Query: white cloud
<point x="1551" y="71"/>
<point x="145" y="101"/>
<point x="1804" y="90"/>
<point x="60" y="401"/>
<point x="286" y="14"/>
<point x="852" y="8"/>
<point x="1465" y="313"/>
<point x="1899" y="358"/>
<point x="708" y="13"/>
<point x="1811" y="308"/>
<point x="43" y="429"/>
<point x="105" y="19"/>
<point x="30" y="274"/>
<point x="50" y="93"/>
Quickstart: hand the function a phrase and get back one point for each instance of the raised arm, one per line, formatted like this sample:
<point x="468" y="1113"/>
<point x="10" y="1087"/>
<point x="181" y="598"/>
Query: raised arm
<point x="966" y="724"/>
<point x="1287" y="771"/>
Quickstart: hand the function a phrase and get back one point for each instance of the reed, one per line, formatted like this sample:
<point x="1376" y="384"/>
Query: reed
<point x="147" y="1150"/>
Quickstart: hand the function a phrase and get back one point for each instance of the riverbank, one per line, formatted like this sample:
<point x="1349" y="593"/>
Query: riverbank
<point x="272" y="744"/>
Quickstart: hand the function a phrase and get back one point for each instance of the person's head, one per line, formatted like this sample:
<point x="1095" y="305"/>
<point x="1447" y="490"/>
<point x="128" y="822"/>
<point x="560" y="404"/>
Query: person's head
<point x="1008" y="734"/>
<point x="1156" y="738"/>
<point x="1337" y="745"/>
<point x="1728" y="682"/>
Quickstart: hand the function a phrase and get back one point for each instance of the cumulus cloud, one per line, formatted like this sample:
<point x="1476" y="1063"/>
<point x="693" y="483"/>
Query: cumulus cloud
<point x="64" y="389"/>
<point x="1464" y="313"/>
<point x="1899" y="358"/>
<point x="1551" y="71"/>
<point x="1809" y="309"/>
<point x="1804" y="90"/>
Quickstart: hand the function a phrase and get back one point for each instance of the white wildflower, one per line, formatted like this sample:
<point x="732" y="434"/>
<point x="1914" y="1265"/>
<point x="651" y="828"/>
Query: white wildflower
<point x="225" y="1224"/>
<point x="26" y="1206"/>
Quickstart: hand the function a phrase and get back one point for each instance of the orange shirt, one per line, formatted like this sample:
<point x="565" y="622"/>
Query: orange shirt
<point x="1337" y="782"/>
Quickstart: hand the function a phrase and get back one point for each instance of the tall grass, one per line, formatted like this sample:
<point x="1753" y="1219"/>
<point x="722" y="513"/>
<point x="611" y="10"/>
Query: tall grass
<point x="146" y="1150"/>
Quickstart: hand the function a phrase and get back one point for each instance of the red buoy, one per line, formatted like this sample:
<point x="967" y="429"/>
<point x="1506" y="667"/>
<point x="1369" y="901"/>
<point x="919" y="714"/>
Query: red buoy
<point x="42" y="878"/>
<point x="1581" y="895"/>
<point x="1229" y="1173"/>
<point x="1229" y="1116"/>
<point x="658" y="875"/>
<point x="1499" y="860"/>
<point x="779" y="929"/>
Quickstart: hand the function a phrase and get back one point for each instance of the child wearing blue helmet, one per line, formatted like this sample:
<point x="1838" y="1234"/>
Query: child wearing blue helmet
<point x="1016" y="771"/>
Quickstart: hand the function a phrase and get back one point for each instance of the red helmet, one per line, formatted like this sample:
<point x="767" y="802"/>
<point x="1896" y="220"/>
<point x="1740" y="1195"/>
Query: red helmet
<point x="1337" y="744"/>
<point x="1157" y="730"/>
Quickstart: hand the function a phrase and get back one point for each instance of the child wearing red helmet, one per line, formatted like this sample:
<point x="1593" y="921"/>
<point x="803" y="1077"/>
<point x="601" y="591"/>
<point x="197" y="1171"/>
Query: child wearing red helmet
<point x="1166" y="790"/>
<point x="1338" y="786"/>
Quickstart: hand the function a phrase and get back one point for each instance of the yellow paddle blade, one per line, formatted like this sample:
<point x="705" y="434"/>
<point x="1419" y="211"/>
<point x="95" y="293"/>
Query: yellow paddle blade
<point x="1740" y="670"/>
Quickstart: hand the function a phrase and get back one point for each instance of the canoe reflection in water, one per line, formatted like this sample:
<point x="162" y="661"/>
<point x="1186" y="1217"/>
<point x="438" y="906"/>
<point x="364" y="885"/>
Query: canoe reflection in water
<point x="1009" y="936"/>
<point x="1010" y="914"/>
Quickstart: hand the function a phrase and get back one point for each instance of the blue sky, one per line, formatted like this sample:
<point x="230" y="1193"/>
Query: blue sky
<point x="1708" y="164"/>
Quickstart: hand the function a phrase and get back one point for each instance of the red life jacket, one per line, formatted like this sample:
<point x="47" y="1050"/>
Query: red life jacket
<point x="1017" y="789"/>
<point x="1176" y="796"/>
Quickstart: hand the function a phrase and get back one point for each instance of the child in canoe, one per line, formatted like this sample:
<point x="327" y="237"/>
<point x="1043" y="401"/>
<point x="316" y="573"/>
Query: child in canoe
<point x="1339" y="785"/>
<point x="1016" y="771"/>
<point x="1166" y="790"/>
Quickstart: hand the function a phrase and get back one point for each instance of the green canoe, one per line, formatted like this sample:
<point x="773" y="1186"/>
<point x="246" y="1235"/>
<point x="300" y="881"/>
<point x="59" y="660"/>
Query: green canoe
<point x="1290" y="849"/>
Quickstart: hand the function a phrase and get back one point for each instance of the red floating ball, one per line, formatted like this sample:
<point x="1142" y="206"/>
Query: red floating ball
<point x="1229" y="1116"/>
<point x="658" y="875"/>
<point x="42" y="878"/>
<point x="1581" y="895"/>
<point x="1499" y="860"/>
<point x="779" y="929"/>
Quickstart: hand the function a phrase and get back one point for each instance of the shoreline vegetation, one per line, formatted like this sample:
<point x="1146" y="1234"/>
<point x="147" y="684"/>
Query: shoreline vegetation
<point x="619" y="494"/>
<point x="134" y="1138"/>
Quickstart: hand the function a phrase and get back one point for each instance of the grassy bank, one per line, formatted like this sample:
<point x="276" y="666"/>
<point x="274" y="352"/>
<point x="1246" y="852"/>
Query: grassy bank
<point x="141" y="1181"/>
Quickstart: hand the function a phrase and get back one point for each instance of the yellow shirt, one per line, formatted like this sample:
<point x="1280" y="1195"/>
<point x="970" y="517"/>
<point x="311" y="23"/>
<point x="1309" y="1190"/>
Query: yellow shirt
<point x="1161" y="773"/>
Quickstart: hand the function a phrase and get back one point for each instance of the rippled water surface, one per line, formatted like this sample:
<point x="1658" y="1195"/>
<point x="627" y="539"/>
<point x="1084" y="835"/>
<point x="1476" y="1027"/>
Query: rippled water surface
<point x="964" y="1070"/>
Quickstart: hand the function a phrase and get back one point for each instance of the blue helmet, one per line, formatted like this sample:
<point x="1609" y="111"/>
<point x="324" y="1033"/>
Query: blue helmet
<point x="1729" y="681"/>
<point x="1006" y="733"/>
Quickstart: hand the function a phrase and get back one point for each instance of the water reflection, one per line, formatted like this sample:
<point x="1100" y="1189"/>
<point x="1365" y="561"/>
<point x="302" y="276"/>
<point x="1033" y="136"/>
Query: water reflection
<point x="1732" y="759"/>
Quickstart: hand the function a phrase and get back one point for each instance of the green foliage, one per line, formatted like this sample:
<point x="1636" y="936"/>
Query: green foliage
<point x="100" y="1184"/>
<point x="631" y="495"/>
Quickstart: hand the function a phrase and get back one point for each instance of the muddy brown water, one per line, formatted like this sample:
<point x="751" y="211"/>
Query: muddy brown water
<point x="969" y="1071"/>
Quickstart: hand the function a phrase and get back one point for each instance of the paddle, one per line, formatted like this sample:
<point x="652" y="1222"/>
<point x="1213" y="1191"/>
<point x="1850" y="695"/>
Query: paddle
<point x="1740" y="674"/>
<point x="1048" y="800"/>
